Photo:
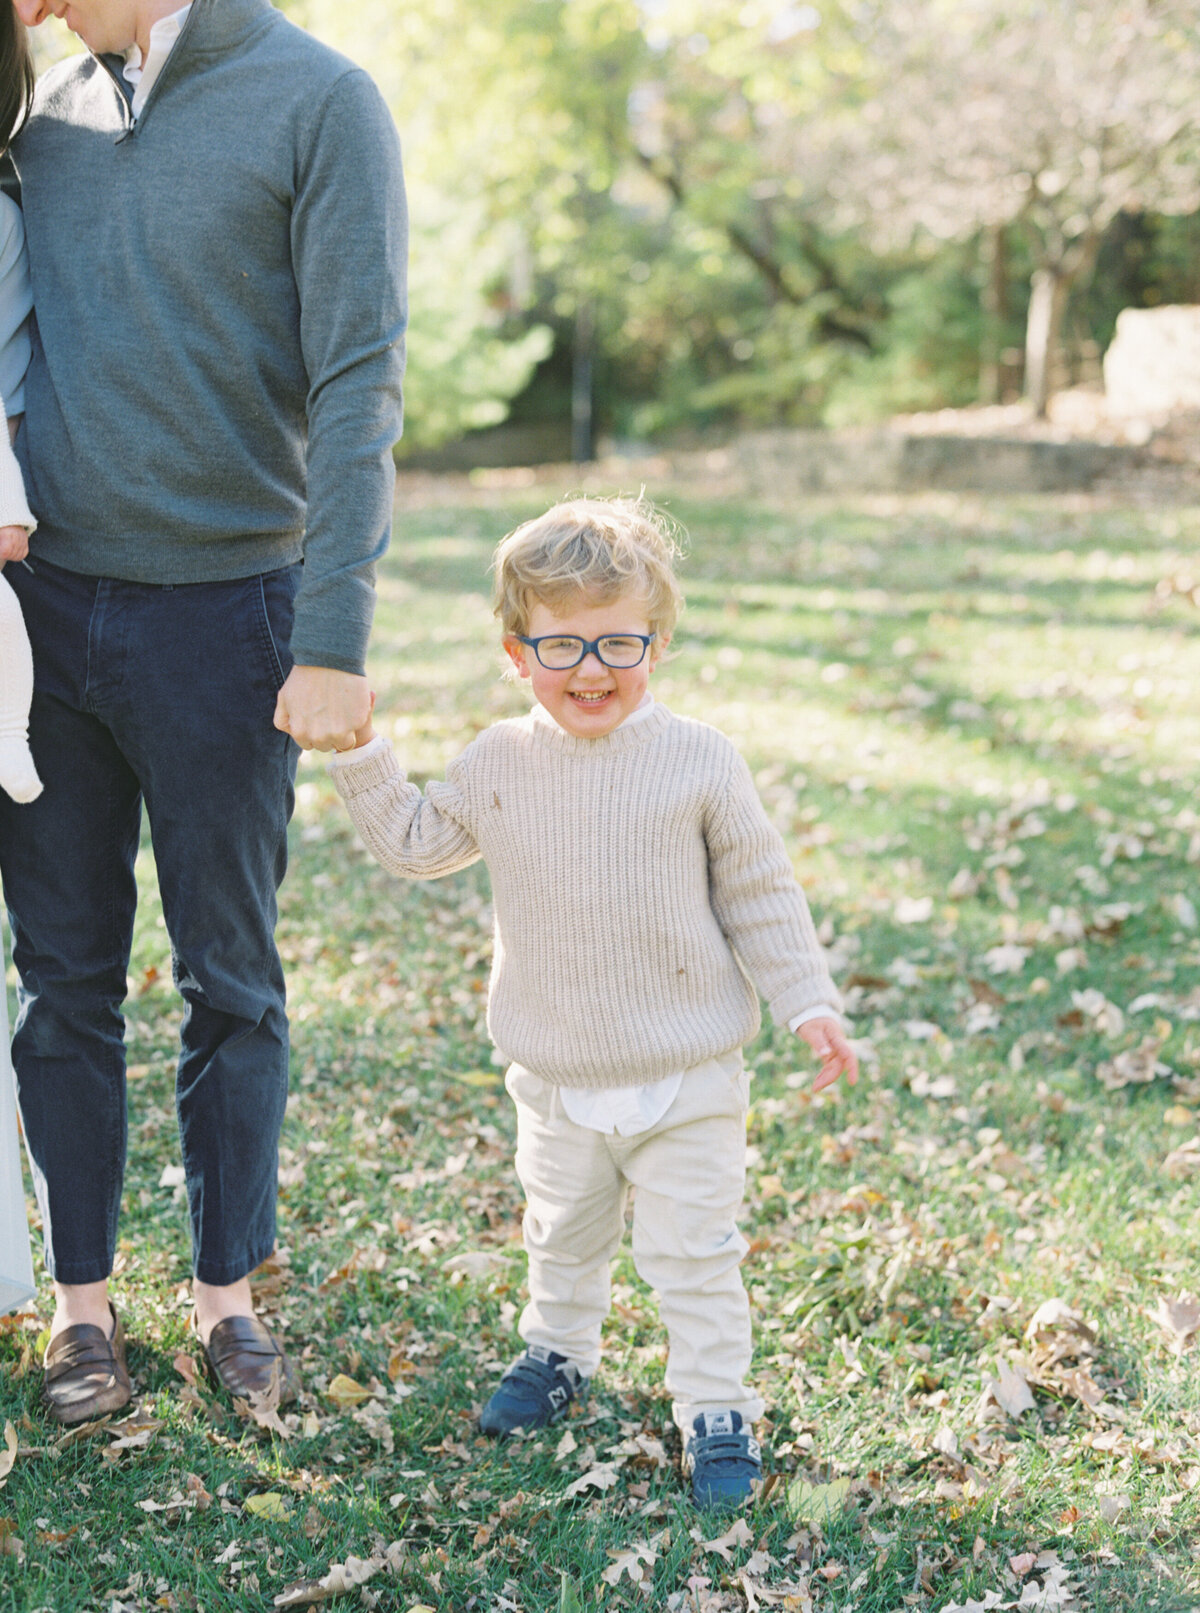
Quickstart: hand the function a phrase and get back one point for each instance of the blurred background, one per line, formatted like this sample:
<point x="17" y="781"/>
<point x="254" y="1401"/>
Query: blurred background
<point x="662" y="222"/>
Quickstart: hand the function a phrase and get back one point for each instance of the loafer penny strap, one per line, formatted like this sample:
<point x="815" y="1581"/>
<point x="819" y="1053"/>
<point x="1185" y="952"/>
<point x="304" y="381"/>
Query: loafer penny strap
<point x="82" y="1349"/>
<point x="241" y="1336"/>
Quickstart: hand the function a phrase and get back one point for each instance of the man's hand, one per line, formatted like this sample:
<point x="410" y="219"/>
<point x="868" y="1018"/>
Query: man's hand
<point x="322" y="708"/>
<point x="828" y="1041"/>
<point x="14" y="544"/>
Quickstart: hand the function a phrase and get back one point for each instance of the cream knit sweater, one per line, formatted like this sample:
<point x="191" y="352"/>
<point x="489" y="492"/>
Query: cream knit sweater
<point x="637" y="883"/>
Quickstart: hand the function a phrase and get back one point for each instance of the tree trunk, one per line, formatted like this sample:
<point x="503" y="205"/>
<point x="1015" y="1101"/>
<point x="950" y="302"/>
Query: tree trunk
<point x="583" y="448"/>
<point x="1047" y="304"/>
<point x="994" y="303"/>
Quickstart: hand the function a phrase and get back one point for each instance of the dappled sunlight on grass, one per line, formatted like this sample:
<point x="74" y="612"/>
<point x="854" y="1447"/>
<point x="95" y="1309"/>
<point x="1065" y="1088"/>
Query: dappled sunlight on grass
<point x="975" y="723"/>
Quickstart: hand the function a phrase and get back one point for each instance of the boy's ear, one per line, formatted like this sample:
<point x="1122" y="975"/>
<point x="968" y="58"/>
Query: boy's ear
<point x="513" y="647"/>
<point x="658" y="648"/>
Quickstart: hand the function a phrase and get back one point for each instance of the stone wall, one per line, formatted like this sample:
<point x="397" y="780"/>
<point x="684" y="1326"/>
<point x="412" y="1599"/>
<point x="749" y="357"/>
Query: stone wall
<point x="887" y="460"/>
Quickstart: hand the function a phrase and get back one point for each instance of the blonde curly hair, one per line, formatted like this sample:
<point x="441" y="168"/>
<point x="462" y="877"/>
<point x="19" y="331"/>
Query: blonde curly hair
<point x="590" y="549"/>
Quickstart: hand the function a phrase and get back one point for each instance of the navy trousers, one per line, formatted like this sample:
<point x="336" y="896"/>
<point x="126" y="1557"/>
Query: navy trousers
<point x="161" y="694"/>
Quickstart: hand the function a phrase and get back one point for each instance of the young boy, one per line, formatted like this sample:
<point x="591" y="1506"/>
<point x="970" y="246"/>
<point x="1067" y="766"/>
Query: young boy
<point x="639" y="889"/>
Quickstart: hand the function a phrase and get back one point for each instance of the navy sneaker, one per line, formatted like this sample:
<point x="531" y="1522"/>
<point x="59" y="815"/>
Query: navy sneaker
<point x="535" y="1391"/>
<point x="723" y="1463"/>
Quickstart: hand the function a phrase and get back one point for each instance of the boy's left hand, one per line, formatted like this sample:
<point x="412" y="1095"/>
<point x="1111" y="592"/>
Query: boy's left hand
<point x="828" y="1041"/>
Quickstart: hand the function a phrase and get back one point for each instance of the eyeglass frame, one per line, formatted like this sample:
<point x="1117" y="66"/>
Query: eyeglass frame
<point x="590" y="647"/>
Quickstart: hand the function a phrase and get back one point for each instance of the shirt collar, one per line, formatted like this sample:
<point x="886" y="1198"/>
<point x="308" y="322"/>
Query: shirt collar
<point x="163" y="35"/>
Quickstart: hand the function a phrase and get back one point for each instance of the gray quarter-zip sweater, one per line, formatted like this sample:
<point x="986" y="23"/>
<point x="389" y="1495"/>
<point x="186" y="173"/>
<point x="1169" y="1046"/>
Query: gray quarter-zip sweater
<point x="219" y="295"/>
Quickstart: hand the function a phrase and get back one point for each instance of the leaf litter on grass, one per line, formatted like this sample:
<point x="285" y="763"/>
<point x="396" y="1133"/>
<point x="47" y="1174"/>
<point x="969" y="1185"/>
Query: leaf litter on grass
<point x="1000" y="841"/>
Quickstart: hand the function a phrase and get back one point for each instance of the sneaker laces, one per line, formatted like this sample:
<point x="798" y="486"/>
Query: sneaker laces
<point x="548" y="1372"/>
<point x="718" y="1440"/>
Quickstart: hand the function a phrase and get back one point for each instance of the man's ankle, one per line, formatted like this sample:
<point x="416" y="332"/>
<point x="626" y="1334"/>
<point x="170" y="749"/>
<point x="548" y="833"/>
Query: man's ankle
<point x="81" y="1304"/>
<point x="214" y="1303"/>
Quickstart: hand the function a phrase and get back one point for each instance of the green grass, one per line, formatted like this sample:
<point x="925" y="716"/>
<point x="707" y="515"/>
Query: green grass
<point x="978" y="730"/>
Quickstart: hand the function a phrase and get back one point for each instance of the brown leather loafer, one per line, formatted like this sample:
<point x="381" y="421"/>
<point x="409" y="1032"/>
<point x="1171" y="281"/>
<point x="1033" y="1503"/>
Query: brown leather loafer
<point x="86" y="1375"/>
<point x="246" y="1358"/>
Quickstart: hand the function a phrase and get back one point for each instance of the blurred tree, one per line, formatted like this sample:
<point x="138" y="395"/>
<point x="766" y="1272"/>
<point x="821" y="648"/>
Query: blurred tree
<point x="653" y="214"/>
<point x="623" y="153"/>
<point x="793" y="303"/>
<point x="1048" y="117"/>
<point x="496" y="187"/>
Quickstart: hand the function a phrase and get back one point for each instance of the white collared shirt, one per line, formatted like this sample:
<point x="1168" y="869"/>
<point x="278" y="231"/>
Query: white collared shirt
<point x="142" y="74"/>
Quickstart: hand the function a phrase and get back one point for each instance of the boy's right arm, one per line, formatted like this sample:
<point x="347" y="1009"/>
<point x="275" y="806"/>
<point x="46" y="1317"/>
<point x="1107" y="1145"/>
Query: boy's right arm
<point x="416" y="836"/>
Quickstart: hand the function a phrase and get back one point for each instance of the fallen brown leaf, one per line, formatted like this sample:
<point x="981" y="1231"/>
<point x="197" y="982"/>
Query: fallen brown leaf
<point x="1184" y="1160"/>
<point x="1009" y="1390"/>
<point x="1179" y="1318"/>
<point x="262" y="1407"/>
<point x="601" y="1477"/>
<point x="346" y="1392"/>
<point x="188" y="1369"/>
<point x="734" y="1538"/>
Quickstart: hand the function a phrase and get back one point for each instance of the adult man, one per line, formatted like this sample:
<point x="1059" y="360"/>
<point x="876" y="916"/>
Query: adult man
<point x="216" y="227"/>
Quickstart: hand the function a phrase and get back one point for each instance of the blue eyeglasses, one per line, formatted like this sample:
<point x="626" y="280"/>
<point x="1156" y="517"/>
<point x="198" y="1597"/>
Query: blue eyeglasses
<point x="559" y="652"/>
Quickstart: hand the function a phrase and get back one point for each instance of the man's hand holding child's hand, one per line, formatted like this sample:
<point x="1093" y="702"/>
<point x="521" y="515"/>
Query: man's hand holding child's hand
<point x="828" y="1041"/>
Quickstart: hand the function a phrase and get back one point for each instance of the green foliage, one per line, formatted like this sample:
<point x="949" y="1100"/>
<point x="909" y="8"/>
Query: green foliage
<point x="569" y="1600"/>
<point x="730" y="194"/>
<point x="1146" y="261"/>
<point x="467" y="354"/>
<point x="929" y="358"/>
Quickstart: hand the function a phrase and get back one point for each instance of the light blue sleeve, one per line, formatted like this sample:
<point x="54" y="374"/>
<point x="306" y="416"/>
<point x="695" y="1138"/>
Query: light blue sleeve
<point x="16" y="305"/>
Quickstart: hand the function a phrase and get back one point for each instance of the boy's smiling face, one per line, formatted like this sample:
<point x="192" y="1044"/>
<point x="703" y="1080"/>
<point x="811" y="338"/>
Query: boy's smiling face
<point x="591" y="699"/>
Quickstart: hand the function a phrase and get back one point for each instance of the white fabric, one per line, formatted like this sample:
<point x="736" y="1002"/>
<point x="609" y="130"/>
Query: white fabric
<point x="142" y="75"/>
<point x="628" y="1111"/>
<point x="17" y="773"/>
<point x="689" y="1172"/>
<point x="14" y="506"/>
<point x="343" y="758"/>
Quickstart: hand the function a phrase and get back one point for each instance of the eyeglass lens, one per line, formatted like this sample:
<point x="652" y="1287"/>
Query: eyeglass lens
<point x="615" y="651"/>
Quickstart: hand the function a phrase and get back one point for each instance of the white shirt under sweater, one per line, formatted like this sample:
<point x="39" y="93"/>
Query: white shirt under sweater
<point x="627" y="1109"/>
<point x="142" y="74"/>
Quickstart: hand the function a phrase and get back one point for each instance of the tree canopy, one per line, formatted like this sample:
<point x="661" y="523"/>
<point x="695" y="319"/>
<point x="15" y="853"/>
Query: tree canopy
<point x="766" y="210"/>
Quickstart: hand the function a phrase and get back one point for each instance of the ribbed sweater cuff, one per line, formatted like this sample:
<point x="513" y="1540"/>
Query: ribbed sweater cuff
<point x="354" y="774"/>
<point x="807" y="994"/>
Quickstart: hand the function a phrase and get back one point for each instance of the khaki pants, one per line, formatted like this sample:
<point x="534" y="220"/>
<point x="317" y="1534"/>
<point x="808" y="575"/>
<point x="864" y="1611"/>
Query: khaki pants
<point x="689" y="1171"/>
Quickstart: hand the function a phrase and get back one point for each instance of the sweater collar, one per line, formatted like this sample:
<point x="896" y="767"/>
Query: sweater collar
<point x="628" y="736"/>
<point x="223" y="24"/>
<point x="210" y="26"/>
